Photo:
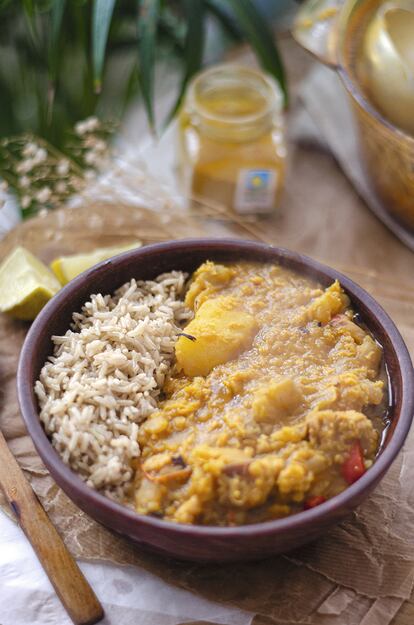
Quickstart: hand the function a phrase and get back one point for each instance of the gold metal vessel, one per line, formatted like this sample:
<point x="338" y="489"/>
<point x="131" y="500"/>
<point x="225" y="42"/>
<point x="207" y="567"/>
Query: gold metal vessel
<point x="334" y="31"/>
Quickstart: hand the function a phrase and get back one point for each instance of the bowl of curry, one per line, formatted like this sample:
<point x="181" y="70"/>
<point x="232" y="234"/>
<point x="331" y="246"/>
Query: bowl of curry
<point x="289" y="396"/>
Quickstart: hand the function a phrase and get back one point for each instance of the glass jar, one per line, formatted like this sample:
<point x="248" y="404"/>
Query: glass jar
<point x="231" y="139"/>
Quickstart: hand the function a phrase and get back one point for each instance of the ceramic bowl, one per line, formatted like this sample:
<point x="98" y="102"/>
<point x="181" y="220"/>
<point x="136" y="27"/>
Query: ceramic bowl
<point x="199" y="542"/>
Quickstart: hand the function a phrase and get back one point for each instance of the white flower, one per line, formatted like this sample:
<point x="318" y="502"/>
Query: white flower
<point x="87" y="125"/>
<point x="43" y="194"/>
<point x="30" y="149"/>
<point x="100" y="145"/>
<point x="80" y="128"/>
<point x="40" y="156"/>
<point x="24" y="182"/>
<point x="61" y="187"/>
<point x="63" y="167"/>
<point x="90" y="141"/>
<point x="90" y="157"/>
<point x="3" y="185"/>
<point x="92" y="123"/>
<point x="89" y="174"/>
<point x="25" y="165"/>
<point x="25" y="201"/>
<point x="76" y="184"/>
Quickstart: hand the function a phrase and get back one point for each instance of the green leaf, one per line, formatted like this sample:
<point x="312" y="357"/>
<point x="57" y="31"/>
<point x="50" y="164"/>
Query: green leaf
<point x="101" y="20"/>
<point x="260" y="37"/>
<point x="149" y="14"/>
<point x="225" y="18"/>
<point x="58" y="8"/>
<point x="193" y="48"/>
<point x="28" y="6"/>
<point x="194" y="41"/>
<point x="172" y="29"/>
<point x="30" y="17"/>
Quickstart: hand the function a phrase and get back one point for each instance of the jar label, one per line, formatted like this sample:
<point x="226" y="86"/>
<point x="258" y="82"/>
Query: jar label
<point x="255" y="190"/>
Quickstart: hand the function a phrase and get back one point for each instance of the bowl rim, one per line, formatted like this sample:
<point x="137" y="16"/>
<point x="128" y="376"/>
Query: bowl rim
<point x="55" y="464"/>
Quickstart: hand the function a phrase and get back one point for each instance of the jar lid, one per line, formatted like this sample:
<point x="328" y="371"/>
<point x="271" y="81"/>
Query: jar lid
<point x="234" y="102"/>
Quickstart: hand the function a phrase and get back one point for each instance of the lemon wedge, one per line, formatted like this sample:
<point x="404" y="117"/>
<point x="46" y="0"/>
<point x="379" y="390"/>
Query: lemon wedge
<point x="66" y="268"/>
<point x="26" y="285"/>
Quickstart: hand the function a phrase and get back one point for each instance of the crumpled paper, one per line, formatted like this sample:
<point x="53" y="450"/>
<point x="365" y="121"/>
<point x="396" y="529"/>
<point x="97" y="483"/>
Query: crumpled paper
<point x="129" y="595"/>
<point x="362" y="570"/>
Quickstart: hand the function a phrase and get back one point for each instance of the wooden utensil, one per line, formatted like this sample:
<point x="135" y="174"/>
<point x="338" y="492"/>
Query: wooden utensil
<point x="68" y="580"/>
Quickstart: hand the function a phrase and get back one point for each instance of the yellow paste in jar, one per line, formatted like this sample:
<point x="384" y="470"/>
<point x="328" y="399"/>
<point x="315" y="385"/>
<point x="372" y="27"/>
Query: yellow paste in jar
<point x="231" y="137"/>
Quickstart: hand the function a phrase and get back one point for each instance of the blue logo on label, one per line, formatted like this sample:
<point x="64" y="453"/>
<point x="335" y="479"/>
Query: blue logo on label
<point x="257" y="179"/>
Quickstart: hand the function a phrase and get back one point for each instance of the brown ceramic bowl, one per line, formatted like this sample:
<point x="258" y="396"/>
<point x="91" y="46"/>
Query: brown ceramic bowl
<point x="190" y="541"/>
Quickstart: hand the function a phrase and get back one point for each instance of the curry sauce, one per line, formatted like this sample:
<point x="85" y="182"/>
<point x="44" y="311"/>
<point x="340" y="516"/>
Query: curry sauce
<point x="266" y="410"/>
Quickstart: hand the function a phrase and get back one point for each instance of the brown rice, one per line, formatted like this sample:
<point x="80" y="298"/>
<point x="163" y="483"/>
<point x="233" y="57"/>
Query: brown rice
<point x="105" y="376"/>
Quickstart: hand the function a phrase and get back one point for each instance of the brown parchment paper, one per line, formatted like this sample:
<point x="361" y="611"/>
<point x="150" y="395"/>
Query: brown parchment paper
<point x="361" y="571"/>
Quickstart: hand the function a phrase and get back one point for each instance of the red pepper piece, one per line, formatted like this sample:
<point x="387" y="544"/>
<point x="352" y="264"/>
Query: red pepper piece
<point x="314" y="501"/>
<point x="353" y="467"/>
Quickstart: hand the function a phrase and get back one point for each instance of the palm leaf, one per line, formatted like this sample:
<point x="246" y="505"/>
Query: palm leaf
<point x="28" y="6"/>
<point x="194" y="40"/>
<point x="149" y="14"/>
<point x="101" y="20"/>
<point x="172" y="29"/>
<point x="261" y="39"/>
<point x="225" y="18"/>
<point x="193" y="48"/>
<point x="30" y="17"/>
<point x="58" y="8"/>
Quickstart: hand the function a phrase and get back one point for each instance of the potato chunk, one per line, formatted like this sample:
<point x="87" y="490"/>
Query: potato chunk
<point x="332" y="301"/>
<point x="209" y="278"/>
<point x="276" y="400"/>
<point x="221" y="331"/>
<point x="333" y="431"/>
<point x="369" y="355"/>
<point x="343" y="325"/>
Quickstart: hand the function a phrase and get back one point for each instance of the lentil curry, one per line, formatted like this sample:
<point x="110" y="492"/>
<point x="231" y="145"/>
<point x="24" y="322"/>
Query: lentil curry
<point x="274" y="405"/>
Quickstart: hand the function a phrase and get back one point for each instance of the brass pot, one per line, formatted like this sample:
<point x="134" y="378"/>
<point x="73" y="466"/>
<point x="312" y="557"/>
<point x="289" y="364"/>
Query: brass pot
<point x="333" y="31"/>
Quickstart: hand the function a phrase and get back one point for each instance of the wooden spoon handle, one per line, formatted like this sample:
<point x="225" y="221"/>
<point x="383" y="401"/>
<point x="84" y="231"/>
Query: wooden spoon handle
<point x="68" y="580"/>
